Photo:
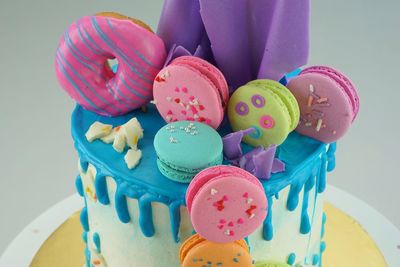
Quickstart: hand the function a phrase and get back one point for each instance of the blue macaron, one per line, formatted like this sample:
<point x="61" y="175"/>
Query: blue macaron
<point x="184" y="148"/>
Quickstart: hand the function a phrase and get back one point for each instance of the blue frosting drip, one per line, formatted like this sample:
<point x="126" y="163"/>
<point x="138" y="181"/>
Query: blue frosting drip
<point x="268" y="230"/>
<point x="322" y="174"/>
<point x="84" y="219"/>
<point x="79" y="185"/>
<point x="315" y="259"/>
<point x="84" y="237"/>
<point x="291" y="258"/>
<point x="305" y="225"/>
<point x="96" y="241"/>
<point x="146" y="184"/>
<point x="331" y="157"/>
<point x="100" y="185"/>
<point x="88" y="256"/>
<point x="84" y="165"/>
<point x="322" y="246"/>
<point x="323" y="225"/>
<point x="175" y="218"/>
<point x="293" y="198"/>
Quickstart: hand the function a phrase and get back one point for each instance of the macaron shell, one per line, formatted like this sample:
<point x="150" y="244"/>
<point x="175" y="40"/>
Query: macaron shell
<point x="206" y="253"/>
<point x="342" y="79"/>
<point x="180" y="174"/>
<point x="178" y="86"/>
<point x="286" y="96"/>
<point x="209" y="174"/>
<point x="196" y="239"/>
<point x="272" y="120"/>
<point x="188" y="147"/>
<point x="326" y="112"/>
<point x="228" y="208"/>
<point x="210" y="71"/>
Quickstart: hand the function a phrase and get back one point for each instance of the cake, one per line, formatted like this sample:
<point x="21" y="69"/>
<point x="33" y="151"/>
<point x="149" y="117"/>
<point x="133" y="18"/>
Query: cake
<point x="205" y="145"/>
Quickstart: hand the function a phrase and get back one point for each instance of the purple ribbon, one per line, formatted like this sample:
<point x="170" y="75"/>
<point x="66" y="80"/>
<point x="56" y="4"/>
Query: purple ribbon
<point x="248" y="40"/>
<point x="261" y="162"/>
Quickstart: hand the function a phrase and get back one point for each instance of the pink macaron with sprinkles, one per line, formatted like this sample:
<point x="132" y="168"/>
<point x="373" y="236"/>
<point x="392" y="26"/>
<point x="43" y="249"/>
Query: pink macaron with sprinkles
<point x="226" y="203"/>
<point x="83" y="70"/>
<point x="191" y="89"/>
<point x="328" y="103"/>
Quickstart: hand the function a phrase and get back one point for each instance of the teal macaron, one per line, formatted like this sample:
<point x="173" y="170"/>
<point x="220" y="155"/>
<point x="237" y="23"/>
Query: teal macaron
<point x="266" y="106"/>
<point x="184" y="148"/>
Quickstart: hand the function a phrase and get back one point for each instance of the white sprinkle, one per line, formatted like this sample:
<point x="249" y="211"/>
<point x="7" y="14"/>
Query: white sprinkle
<point x="181" y="128"/>
<point x="196" y="132"/>
<point x="319" y="124"/>
<point x="173" y="140"/>
<point x="227" y="232"/>
<point x="154" y="102"/>
<point x="166" y="74"/>
<point x="252" y="216"/>
<point x="169" y="99"/>
<point x="196" y="117"/>
<point x="308" y="124"/>
<point x="249" y="200"/>
<point x="213" y="191"/>
<point x="172" y="127"/>
<point x="312" y="88"/>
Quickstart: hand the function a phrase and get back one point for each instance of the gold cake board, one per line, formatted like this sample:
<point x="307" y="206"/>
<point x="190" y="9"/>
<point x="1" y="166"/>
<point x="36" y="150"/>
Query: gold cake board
<point x="348" y="244"/>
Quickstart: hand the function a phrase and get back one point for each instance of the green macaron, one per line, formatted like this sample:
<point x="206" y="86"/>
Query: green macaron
<point x="268" y="107"/>
<point x="185" y="148"/>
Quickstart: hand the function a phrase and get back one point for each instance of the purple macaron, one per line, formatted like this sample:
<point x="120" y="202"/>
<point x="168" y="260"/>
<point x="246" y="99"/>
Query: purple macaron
<point x="328" y="103"/>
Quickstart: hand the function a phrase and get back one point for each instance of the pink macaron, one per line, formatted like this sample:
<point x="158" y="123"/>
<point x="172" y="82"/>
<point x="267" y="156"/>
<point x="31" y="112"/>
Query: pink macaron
<point x="191" y="89"/>
<point x="226" y="203"/>
<point x="328" y="103"/>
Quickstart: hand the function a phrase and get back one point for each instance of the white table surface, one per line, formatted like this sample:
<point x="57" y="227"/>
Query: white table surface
<point x="37" y="158"/>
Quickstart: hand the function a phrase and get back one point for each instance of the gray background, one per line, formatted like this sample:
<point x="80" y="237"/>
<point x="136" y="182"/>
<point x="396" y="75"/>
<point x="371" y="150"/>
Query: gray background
<point x="37" y="159"/>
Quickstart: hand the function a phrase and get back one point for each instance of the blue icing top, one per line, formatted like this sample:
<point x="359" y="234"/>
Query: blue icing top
<point x="302" y="156"/>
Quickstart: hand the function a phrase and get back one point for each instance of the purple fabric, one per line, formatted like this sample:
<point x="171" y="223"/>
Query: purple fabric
<point x="278" y="166"/>
<point x="249" y="39"/>
<point x="260" y="161"/>
<point x="232" y="148"/>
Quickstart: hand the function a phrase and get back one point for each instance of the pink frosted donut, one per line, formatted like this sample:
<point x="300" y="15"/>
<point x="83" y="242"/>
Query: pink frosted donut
<point x="83" y="71"/>
<point x="226" y="203"/>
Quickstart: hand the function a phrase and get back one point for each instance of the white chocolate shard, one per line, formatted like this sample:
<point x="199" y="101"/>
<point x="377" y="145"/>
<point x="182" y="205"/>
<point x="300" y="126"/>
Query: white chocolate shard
<point x="134" y="132"/>
<point x="108" y="139"/>
<point x="98" y="130"/>
<point x="88" y="183"/>
<point x="119" y="141"/>
<point x="132" y="158"/>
